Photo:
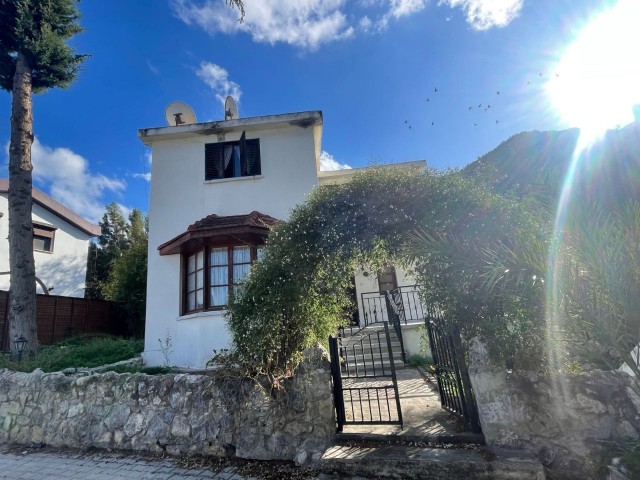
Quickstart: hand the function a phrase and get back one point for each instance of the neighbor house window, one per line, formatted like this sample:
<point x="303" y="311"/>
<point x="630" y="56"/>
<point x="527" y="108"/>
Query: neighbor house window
<point x="213" y="272"/>
<point x="232" y="159"/>
<point x="43" y="237"/>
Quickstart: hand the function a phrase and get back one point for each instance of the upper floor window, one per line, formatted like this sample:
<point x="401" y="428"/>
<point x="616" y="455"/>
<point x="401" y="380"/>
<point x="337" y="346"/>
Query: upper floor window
<point x="43" y="236"/>
<point x="232" y="159"/>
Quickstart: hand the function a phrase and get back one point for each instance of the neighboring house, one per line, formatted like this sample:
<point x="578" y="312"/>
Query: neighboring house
<point x="60" y="244"/>
<point x="216" y="188"/>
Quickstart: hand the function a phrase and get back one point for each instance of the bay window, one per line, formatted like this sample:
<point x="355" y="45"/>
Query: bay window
<point x="213" y="272"/>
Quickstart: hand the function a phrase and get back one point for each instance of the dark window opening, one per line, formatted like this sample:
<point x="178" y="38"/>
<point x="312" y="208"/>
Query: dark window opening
<point x="387" y="279"/>
<point x="43" y="237"/>
<point x="232" y="159"/>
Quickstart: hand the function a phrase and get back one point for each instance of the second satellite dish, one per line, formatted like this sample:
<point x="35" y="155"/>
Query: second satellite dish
<point x="178" y="113"/>
<point x="230" y="109"/>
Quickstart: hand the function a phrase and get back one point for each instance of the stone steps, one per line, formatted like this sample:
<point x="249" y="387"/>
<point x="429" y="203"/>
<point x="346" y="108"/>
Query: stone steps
<point x="361" y="354"/>
<point x="414" y="462"/>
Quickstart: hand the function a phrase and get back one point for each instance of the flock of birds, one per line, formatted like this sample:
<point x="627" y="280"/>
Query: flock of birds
<point x="486" y="108"/>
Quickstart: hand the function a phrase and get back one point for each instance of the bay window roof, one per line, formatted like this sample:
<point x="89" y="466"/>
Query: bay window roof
<point x="214" y="229"/>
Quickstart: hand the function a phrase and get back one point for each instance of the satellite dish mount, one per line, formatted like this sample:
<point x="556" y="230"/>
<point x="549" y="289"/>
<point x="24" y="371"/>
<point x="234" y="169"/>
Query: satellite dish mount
<point x="230" y="109"/>
<point x="178" y="113"/>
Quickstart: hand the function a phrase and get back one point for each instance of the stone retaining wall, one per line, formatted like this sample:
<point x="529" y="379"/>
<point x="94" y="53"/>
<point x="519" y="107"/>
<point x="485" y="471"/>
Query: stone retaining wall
<point x="178" y="414"/>
<point x="567" y="421"/>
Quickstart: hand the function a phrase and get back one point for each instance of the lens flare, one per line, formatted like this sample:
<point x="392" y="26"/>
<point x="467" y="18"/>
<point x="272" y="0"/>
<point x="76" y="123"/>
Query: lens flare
<point x="597" y="81"/>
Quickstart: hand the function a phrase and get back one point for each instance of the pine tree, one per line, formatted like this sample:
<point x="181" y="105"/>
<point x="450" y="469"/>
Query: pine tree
<point x="34" y="57"/>
<point x="112" y="243"/>
<point x="127" y="282"/>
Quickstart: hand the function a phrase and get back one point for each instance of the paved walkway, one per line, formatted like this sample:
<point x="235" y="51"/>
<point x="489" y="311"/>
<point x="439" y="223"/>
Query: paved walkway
<point x="421" y="410"/>
<point x="40" y="464"/>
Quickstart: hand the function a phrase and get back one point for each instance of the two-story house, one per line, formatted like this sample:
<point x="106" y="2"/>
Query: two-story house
<point x="216" y="188"/>
<point x="60" y="244"/>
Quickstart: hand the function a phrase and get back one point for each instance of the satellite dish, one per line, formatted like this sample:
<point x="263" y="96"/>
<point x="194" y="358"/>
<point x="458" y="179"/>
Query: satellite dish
<point x="230" y="109"/>
<point x="178" y="113"/>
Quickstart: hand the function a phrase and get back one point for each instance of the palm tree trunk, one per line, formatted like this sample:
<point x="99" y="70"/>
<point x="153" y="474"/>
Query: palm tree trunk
<point x="22" y="292"/>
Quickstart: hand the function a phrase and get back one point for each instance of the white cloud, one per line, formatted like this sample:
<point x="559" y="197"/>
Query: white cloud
<point x="486" y="14"/>
<point x="328" y="163"/>
<point x="147" y="164"/>
<point x="308" y="24"/>
<point x="68" y="179"/>
<point x="155" y="70"/>
<point x="144" y="176"/>
<point x="217" y="78"/>
<point x="303" y="23"/>
<point x="402" y="8"/>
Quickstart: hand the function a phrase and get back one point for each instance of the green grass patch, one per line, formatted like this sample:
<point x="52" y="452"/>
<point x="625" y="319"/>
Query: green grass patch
<point x="76" y="352"/>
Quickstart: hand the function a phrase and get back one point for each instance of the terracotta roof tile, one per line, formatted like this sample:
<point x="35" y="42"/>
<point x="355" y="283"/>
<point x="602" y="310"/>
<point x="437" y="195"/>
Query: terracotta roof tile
<point x="214" y="222"/>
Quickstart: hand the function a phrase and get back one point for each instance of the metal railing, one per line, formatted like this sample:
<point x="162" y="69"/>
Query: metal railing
<point x="374" y="307"/>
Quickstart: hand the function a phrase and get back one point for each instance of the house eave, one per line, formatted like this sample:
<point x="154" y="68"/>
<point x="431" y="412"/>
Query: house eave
<point x="48" y="203"/>
<point x="299" y="119"/>
<point x="192" y="240"/>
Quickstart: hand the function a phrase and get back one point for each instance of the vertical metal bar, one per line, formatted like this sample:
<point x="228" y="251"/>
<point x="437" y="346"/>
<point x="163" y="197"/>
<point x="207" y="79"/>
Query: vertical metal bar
<point x="373" y="363"/>
<point x="393" y="373"/>
<point x="380" y="351"/>
<point x="338" y="398"/>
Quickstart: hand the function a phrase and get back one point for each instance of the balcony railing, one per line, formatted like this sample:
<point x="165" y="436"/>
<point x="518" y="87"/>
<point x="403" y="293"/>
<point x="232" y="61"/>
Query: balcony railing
<point x="374" y="307"/>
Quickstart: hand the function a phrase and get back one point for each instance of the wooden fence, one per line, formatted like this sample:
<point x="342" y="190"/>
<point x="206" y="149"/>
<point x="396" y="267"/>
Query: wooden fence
<point x="60" y="317"/>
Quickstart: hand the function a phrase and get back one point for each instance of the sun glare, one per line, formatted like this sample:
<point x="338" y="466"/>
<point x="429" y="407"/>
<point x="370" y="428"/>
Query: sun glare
<point x="597" y="81"/>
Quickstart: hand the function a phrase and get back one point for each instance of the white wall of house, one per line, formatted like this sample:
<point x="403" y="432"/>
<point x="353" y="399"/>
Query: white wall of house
<point x="180" y="196"/>
<point x="64" y="270"/>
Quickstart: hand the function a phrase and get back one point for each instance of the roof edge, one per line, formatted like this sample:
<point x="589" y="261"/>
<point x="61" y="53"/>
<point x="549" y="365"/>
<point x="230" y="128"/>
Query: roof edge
<point x="298" y="119"/>
<point x="55" y="207"/>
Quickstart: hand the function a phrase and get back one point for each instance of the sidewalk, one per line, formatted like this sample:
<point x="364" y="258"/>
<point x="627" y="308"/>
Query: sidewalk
<point x="23" y="463"/>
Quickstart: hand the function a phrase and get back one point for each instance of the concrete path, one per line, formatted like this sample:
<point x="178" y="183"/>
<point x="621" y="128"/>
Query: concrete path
<point x="421" y="410"/>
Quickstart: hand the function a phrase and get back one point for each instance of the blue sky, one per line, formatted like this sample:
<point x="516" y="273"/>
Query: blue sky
<point x="369" y="65"/>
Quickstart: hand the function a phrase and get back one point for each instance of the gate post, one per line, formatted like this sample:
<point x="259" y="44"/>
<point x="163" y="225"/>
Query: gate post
<point x="336" y="375"/>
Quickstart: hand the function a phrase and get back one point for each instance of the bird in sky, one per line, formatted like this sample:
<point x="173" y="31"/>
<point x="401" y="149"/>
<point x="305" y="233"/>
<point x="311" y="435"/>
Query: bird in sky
<point x="488" y="106"/>
<point x="427" y="99"/>
<point x="475" y="124"/>
<point x="498" y="92"/>
<point x="480" y="105"/>
<point x="497" y="122"/>
<point x="470" y="108"/>
<point x="433" y="123"/>
<point x="435" y="89"/>
<point x="405" y="121"/>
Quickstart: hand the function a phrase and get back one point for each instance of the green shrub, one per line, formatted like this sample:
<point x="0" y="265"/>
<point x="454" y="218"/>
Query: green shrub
<point x="419" y="361"/>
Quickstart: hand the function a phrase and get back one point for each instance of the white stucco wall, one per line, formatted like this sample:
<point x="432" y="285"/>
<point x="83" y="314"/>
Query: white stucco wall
<point x="64" y="269"/>
<point x="180" y="196"/>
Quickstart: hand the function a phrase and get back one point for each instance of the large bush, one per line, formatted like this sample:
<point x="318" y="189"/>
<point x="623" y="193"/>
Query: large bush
<point x="297" y="293"/>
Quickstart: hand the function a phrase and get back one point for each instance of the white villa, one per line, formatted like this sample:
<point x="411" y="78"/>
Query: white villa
<point x="216" y="187"/>
<point x="60" y="244"/>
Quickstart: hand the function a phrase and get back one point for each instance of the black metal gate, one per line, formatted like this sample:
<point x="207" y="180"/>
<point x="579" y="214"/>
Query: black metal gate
<point x="365" y="388"/>
<point x="456" y="395"/>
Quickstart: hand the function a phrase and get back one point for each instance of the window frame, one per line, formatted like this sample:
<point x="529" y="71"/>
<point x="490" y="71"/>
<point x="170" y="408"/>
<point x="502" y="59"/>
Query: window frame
<point x="47" y="232"/>
<point x="246" y="148"/>
<point x="231" y="283"/>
